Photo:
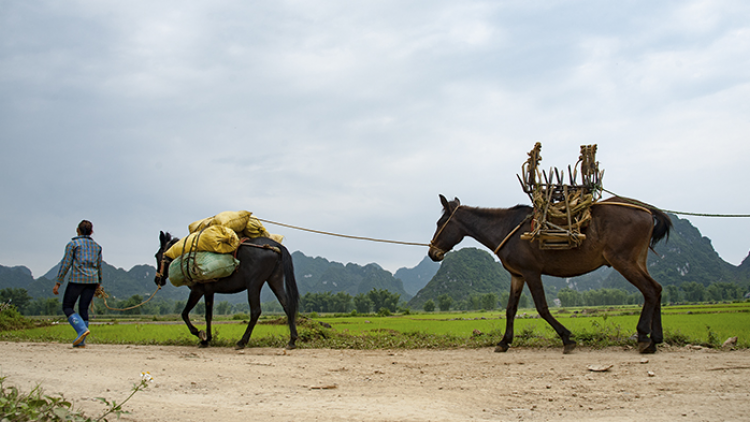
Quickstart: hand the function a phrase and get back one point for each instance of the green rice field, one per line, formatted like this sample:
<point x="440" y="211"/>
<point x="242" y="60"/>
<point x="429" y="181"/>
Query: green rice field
<point x="706" y="325"/>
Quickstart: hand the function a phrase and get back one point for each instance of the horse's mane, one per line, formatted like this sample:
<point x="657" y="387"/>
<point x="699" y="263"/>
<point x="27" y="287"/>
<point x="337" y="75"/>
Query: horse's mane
<point x="520" y="207"/>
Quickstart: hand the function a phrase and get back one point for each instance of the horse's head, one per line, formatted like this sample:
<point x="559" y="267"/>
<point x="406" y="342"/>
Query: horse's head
<point x="447" y="234"/>
<point x="162" y="262"/>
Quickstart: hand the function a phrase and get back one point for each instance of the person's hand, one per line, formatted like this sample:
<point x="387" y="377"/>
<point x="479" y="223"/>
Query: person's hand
<point x="56" y="288"/>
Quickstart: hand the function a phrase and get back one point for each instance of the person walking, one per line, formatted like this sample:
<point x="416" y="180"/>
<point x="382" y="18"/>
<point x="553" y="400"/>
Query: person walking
<point x="83" y="258"/>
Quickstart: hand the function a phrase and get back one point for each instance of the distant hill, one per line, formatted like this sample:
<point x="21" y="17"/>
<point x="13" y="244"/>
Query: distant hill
<point x="687" y="256"/>
<point x="118" y="283"/>
<point x="320" y="275"/>
<point x="416" y="278"/>
<point x="463" y="273"/>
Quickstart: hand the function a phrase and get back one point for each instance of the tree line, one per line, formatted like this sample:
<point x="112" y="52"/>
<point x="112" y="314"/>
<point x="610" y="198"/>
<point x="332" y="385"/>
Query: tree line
<point x="688" y="292"/>
<point x="382" y="301"/>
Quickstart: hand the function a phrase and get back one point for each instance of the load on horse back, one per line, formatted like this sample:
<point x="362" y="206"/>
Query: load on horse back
<point x="257" y="258"/>
<point x="616" y="232"/>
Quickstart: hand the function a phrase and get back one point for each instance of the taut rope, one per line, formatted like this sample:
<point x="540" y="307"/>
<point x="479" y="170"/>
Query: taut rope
<point x="344" y="235"/>
<point x="676" y="212"/>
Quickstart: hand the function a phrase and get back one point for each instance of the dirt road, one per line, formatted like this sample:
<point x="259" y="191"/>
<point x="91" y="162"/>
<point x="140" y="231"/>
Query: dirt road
<point x="221" y="384"/>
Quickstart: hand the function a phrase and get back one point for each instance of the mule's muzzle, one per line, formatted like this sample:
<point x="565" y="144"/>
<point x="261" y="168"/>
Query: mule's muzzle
<point x="436" y="254"/>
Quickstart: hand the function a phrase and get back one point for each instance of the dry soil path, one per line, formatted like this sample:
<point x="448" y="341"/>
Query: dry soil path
<point x="220" y="384"/>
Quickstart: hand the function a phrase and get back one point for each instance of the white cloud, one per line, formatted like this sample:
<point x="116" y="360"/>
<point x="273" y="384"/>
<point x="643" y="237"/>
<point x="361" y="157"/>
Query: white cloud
<point x="353" y="117"/>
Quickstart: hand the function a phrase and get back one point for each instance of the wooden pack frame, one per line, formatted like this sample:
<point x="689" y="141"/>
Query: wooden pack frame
<point x="561" y="209"/>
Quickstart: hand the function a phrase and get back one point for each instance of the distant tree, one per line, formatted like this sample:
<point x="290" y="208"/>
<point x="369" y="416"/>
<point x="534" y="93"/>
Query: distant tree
<point x="200" y="308"/>
<point x="444" y="302"/>
<point x="179" y="306"/>
<point x="17" y="297"/>
<point x="272" y="307"/>
<point x="489" y="301"/>
<point x="132" y="301"/>
<point x="472" y="303"/>
<point x="569" y="298"/>
<point x="694" y="291"/>
<point x="223" y="308"/>
<point x="342" y="302"/>
<point x="671" y="294"/>
<point x="504" y="296"/>
<point x="523" y="301"/>
<point x="362" y="303"/>
<point x="52" y="306"/>
<point x="429" y="306"/>
<point x="382" y="298"/>
<point x="241" y="308"/>
<point x="724" y="291"/>
<point x="326" y="302"/>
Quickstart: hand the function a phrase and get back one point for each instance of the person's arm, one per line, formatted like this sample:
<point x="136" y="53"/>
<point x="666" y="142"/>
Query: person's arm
<point x="65" y="265"/>
<point x="99" y="267"/>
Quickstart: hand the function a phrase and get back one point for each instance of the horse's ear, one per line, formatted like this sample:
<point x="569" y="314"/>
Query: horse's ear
<point x="444" y="201"/>
<point x="447" y="205"/>
<point x="162" y="238"/>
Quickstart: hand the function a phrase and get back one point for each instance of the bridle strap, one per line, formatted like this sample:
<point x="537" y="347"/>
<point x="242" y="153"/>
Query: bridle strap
<point x="512" y="232"/>
<point x="162" y="266"/>
<point x="440" y="231"/>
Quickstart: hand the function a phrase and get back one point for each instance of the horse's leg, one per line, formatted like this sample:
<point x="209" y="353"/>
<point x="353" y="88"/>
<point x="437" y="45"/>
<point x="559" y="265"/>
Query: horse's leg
<point x="651" y="291"/>
<point x="516" y="288"/>
<point x="253" y="299"/>
<point x="193" y="299"/>
<point x="208" y="300"/>
<point x="540" y="301"/>
<point x="276" y="285"/>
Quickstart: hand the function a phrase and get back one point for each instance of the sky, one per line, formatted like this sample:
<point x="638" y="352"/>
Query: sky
<point x="352" y="117"/>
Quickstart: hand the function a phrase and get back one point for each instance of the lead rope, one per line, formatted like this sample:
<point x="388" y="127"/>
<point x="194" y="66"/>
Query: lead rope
<point x="101" y="294"/>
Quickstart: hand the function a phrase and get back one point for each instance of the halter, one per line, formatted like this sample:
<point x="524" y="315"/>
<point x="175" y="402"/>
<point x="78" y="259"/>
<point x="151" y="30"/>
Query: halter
<point x="497" y="249"/>
<point x="165" y="261"/>
<point x="440" y="231"/>
<point x="162" y="265"/>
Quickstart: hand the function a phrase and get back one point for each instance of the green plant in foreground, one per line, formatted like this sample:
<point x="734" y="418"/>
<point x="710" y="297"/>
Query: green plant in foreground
<point x="35" y="406"/>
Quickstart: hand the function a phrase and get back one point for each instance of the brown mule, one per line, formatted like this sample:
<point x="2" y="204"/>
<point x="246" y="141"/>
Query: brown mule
<point x="619" y="235"/>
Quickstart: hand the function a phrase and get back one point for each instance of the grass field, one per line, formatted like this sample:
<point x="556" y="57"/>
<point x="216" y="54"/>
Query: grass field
<point x="707" y="325"/>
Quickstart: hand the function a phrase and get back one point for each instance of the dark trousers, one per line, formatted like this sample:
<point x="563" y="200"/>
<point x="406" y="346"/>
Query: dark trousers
<point x="83" y="293"/>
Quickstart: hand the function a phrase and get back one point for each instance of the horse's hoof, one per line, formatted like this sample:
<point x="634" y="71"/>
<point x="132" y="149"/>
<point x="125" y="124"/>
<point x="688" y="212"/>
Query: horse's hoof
<point x="290" y="347"/>
<point x="501" y="348"/>
<point x="203" y="344"/>
<point x="568" y="348"/>
<point x="202" y="335"/>
<point x="239" y="346"/>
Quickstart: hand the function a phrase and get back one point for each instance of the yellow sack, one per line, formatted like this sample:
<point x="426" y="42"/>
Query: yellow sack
<point x="200" y="224"/>
<point x="254" y="228"/>
<point x="277" y="237"/>
<point x="218" y="239"/>
<point x="235" y="220"/>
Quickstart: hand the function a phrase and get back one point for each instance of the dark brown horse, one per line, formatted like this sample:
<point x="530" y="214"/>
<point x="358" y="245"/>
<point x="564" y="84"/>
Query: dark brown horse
<point x="619" y="235"/>
<point x="258" y="264"/>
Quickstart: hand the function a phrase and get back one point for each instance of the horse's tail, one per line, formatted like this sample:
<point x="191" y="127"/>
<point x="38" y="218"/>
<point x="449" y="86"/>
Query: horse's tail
<point x="290" y="282"/>
<point x="662" y="226"/>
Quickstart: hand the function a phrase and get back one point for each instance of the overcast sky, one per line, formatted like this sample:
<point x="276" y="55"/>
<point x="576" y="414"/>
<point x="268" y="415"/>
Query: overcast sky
<point x="352" y="117"/>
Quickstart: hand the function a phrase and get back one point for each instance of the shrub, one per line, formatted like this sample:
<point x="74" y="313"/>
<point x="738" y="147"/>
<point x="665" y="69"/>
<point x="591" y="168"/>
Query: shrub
<point x="11" y="319"/>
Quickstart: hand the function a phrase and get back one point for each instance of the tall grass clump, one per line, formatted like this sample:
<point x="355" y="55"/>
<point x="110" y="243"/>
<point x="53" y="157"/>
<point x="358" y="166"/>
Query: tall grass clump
<point x="37" y="406"/>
